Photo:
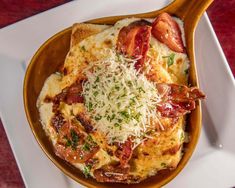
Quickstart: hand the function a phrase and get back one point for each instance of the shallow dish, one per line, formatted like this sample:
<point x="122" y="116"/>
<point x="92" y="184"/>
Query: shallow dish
<point x="51" y="55"/>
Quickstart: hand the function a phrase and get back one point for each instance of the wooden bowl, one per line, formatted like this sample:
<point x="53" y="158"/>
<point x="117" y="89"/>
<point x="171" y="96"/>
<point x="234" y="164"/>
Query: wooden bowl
<point x="51" y="55"/>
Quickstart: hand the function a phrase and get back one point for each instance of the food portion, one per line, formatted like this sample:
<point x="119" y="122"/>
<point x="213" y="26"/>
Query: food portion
<point x="117" y="109"/>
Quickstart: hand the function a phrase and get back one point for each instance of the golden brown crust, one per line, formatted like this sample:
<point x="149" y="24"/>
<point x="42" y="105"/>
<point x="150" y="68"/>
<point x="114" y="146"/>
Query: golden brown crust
<point x="81" y="31"/>
<point x="110" y="162"/>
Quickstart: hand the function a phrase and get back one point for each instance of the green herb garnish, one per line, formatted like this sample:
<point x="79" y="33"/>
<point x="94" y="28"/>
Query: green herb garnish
<point x="90" y="105"/>
<point x="112" y="117"/>
<point x="75" y="139"/>
<point x="98" y="117"/>
<point x="170" y="59"/>
<point x="129" y="83"/>
<point x="95" y="93"/>
<point x="118" y="57"/>
<point x="97" y="79"/>
<point x="86" y="147"/>
<point x="68" y="143"/>
<point x="186" y="71"/>
<point x="117" y="87"/>
<point x="141" y="89"/>
<point x="137" y="116"/>
<point x="125" y="114"/>
<point x="163" y="164"/>
<point x="119" y="120"/>
<point x="83" y="48"/>
<point x="116" y="125"/>
<point x="86" y="170"/>
<point x="89" y="138"/>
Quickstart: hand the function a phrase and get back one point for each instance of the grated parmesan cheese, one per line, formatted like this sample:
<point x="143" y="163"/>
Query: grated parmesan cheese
<point x="119" y="99"/>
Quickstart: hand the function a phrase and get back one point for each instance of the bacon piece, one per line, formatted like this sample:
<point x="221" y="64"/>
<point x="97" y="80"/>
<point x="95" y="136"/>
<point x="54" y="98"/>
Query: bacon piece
<point x="73" y="94"/>
<point x="85" y="122"/>
<point x="74" y="156"/>
<point x="166" y="30"/>
<point x="124" y="152"/>
<point x="179" y="92"/>
<point x="111" y="173"/>
<point x="177" y="100"/>
<point x="57" y="121"/>
<point x="175" y="109"/>
<point x="133" y="41"/>
<point x="73" y="145"/>
<point x="69" y="95"/>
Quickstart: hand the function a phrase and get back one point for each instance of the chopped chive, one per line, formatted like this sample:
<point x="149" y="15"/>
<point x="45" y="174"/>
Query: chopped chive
<point x="68" y="143"/>
<point x="108" y="117"/>
<point x="86" y="147"/>
<point x="117" y="87"/>
<point x="119" y="120"/>
<point x="97" y="79"/>
<point x="98" y="117"/>
<point x="89" y="138"/>
<point x="83" y="48"/>
<point x="170" y="59"/>
<point x="163" y="164"/>
<point x="95" y="93"/>
<point x="75" y="139"/>
<point x="186" y="71"/>
<point x="141" y="89"/>
<point x="118" y="57"/>
<point x="90" y="105"/>
<point x="116" y="125"/>
<point x="132" y="101"/>
<point x="137" y="116"/>
<point x="86" y="170"/>
<point x="112" y="117"/>
<point x="125" y="114"/>
<point x="129" y="83"/>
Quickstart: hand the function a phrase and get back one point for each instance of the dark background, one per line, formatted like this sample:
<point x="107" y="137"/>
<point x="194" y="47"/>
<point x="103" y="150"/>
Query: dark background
<point x="222" y="17"/>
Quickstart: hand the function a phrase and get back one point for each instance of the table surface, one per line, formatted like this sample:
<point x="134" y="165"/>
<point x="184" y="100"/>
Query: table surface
<point x="222" y="17"/>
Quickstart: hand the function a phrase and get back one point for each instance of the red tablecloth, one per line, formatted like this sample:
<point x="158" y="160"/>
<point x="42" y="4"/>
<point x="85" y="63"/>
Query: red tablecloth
<point x="222" y="16"/>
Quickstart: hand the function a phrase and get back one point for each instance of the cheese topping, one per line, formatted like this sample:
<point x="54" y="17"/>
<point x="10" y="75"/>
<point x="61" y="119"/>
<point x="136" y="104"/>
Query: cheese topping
<point x="120" y="99"/>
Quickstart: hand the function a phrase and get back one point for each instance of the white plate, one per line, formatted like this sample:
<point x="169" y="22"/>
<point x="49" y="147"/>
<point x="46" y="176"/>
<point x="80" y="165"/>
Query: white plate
<point x="213" y="162"/>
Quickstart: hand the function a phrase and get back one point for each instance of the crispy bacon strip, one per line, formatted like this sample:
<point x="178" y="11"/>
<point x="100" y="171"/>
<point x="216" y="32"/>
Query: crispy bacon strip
<point x="177" y="99"/>
<point x="73" y="94"/>
<point x="166" y="30"/>
<point x="85" y="122"/>
<point x="133" y="41"/>
<point x="69" y="95"/>
<point x="124" y="152"/>
<point x="73" y="145"/>
<point x="57" y="121"/>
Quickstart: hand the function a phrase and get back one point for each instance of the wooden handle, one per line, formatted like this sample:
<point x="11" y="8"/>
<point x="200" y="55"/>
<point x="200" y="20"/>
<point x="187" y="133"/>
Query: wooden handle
<point x="184" y="9"/>
<point x="188" y="9"/>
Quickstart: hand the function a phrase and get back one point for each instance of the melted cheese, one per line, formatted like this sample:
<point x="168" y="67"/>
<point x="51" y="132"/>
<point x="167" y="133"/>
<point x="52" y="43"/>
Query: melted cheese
<point x="51" y="88"/>
<point x="120" y="99"/>
<point x="149" y="154"/>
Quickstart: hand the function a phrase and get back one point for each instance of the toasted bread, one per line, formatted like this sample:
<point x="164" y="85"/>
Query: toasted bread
<point x="81" y="31"/>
